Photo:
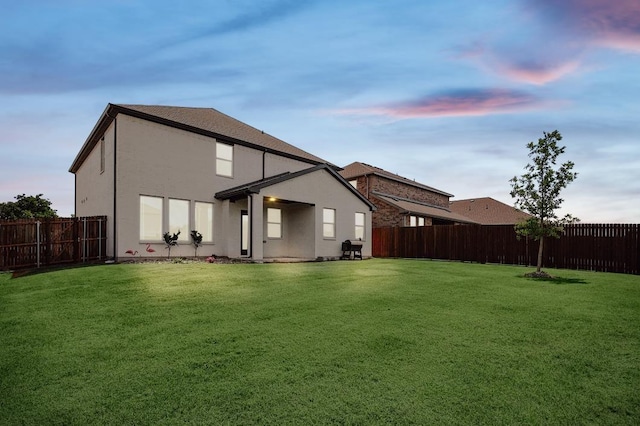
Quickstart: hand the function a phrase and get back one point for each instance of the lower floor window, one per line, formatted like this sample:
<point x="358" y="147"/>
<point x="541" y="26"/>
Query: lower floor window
<point x="158" y="217"/>
<point x="204" y="220"/>
<point x="328" y="223"/>
<point x="274" y="223"/>
<point x="150" y="218"/>
<point x="179" y="218"/>
<point x="359" y="226"/>
<point x="416" y="221"/>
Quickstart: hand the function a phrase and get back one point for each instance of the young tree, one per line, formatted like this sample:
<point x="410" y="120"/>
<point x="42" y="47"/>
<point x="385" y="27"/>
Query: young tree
<point x="537" y="191"/>
<point x="27" y="207"/>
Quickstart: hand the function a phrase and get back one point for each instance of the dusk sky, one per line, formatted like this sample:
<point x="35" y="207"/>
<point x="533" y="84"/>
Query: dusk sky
<point x="444" y="92"/>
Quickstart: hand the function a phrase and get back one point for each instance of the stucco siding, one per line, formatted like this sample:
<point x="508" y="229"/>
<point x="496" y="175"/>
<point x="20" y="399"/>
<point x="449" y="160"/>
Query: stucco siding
<point x="94" y="188"/>
<point x="162" y="161"/>
<point x="322" y="190"/>
<point x="159" y="161"/>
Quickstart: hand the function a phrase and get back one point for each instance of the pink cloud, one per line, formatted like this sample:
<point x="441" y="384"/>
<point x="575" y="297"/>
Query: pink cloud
<point x="529" y="62"/>
<point x="455" y="103"/>
<point x="607" y="23"/>
<point x="534" y="73"/>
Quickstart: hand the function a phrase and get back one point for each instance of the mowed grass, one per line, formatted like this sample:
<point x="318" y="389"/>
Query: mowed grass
<point x="361" y="342"/>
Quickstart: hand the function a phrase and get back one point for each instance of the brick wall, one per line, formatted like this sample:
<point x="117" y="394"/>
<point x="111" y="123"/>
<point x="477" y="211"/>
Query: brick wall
<point x="387" y="186"/>
<point x="385" y="215"/>
<point x="388" y="215"/>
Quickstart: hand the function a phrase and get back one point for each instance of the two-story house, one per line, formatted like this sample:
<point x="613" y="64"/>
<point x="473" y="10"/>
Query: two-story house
<point x="158" y="169"/>
<point x="400" y="201"/>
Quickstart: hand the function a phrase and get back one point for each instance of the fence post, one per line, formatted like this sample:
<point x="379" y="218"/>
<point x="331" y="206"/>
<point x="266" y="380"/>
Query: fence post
<point x="38" y="243"/>
<point x="99" y="238"/>
<point x="84" y="240"/>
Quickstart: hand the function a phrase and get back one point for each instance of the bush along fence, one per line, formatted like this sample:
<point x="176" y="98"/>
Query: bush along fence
<point x="31" y="243"/>
<point x="595" y="247"/>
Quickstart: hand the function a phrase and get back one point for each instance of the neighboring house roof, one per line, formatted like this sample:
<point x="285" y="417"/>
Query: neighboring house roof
<point x="205" y="121"/>
<point x="357" y="169"/>
<point x="242" y="191"/>
<point x="488" y="211"/>
<point x="415" y="207"/>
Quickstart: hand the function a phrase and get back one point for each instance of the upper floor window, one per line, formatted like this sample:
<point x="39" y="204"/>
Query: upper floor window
<point x="359" y="226"/>
<point x="421" y="221"/>
<point x="354" y="183"/>
<point x="224" y="159"/>
<point x="329" y="223"/>
<point x="274" y="223"/>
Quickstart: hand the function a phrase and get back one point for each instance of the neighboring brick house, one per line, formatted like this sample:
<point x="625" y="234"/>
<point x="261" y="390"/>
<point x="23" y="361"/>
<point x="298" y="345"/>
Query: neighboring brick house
<point x="487" y="211"/>
<point x="401" y="201"/>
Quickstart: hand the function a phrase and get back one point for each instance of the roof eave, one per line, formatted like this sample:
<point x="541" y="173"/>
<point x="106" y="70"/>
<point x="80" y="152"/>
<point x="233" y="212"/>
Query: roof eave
<point x="98" y="130"/>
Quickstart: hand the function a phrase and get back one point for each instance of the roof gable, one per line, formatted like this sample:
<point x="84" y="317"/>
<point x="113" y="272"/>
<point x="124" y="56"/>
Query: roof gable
<point x="242" y="191"/>
<point x="204" y="121"/>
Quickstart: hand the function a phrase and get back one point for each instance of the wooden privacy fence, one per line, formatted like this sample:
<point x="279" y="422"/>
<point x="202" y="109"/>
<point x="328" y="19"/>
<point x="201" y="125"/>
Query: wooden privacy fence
<point x="595" y="247"/>
<point x="30" y="243"/>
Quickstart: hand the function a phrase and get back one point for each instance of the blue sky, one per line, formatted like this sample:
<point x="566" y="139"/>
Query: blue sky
<point x="444" y="92"/>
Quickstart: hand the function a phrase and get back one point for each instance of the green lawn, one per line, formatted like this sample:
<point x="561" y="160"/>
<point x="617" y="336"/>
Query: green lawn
<point x="361" y="342"/>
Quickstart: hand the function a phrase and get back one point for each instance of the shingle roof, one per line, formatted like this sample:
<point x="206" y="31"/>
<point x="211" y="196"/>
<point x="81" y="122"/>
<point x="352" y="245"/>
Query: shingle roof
<point x="488" y="211"/>
<point x="205" y="121"/>
<point x="357" y="169"/>
<point x="413" y="207"/>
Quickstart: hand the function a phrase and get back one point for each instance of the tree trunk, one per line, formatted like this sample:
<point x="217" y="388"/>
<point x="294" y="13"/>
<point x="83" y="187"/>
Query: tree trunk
<point x="540" y="254"/>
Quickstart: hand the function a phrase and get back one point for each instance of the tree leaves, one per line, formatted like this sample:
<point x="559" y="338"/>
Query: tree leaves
<point x="537" y="191"/>
<point x="27" y="207"/>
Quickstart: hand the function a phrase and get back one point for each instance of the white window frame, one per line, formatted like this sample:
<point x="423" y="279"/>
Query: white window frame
<point x="175" y="204"/>
<point x="274" y="223"/>
<point x="420" y="221"/>
<point x="360" y="227"/>
<point x="328" y="223"/>
<point x="151" y="213"/>
<point x="413" y="221"/>
<point x="203" y="220"/>
<point x="223" y="160"/>
<point x="354" y="183"/>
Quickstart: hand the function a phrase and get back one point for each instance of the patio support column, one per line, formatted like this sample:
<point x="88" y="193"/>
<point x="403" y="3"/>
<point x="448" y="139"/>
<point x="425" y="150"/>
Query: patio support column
<point x="222" y="241"/>
<point x="256" y="220"/>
